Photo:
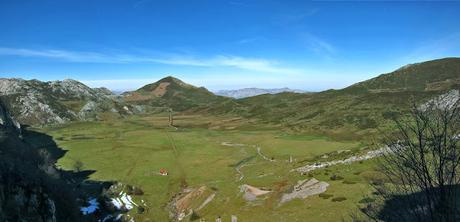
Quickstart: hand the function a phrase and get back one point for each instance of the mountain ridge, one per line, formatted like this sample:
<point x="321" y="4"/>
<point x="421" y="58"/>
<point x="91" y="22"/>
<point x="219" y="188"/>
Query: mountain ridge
<point x="34" y="102"/>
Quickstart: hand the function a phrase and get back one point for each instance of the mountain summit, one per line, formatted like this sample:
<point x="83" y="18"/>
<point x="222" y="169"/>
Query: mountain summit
<point x="172" y="93"/>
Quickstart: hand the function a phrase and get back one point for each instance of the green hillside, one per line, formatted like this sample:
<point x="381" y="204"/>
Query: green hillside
<point x="432" y="75"/>
<point x="358" y="110"/>
<point x="172" y="93"/>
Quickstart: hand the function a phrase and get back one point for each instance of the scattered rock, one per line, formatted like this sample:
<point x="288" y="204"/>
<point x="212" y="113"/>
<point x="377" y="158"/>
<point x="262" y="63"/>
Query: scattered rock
<point x="304" y="189"/>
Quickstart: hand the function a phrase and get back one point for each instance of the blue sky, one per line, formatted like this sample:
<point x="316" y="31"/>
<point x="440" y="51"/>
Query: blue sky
<point x="222" y="44"/>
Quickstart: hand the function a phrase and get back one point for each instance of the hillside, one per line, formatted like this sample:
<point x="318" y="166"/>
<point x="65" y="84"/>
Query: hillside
<point x="249" y="92"/>
<point x="172" y="93"/>
<point x="35" y="102"/>
<point x="358" y="110"/>
<point x="435" y="75"/>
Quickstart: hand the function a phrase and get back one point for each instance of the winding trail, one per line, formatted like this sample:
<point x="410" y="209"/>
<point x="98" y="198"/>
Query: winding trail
<point x="241" y="165"/>
<point x="238" y="170"/>
<point x="263" y="156"/>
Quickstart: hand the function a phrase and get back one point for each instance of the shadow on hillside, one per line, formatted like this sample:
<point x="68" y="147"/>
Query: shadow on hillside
<point x="77" y="183"/>
<point x="398" y="208"/>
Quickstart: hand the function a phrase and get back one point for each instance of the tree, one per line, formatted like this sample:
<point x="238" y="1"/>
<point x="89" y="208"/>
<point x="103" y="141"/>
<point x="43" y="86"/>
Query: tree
<point x="78" y="166"/>
<point x="421" y="165"/>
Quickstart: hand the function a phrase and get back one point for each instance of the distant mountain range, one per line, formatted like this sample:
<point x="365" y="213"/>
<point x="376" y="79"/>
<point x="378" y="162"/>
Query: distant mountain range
<point x="248" y="92"/>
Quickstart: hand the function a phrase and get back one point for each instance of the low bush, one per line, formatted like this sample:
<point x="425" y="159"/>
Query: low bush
<point x="140" y="210"/>
<point x="367" y="200"/>
<point x="338" y="199"/>
<point x="348" y="182"/>
<point x="325" y="195"/>
<point x="336" y="177"/>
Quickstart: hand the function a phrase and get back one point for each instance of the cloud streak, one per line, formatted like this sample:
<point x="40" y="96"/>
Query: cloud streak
<point x="319" y="45"/>
<point x="245" y="63"/>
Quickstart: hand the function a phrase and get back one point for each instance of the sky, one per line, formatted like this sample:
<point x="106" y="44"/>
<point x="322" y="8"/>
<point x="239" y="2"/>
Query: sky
<point x="222" y="44"/>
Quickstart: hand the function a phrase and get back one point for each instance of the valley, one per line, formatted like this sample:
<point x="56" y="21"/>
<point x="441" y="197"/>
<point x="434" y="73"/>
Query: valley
<point x="229" y="111"/>
<point x="133" y="150"/>
<point x="171" y="151"/>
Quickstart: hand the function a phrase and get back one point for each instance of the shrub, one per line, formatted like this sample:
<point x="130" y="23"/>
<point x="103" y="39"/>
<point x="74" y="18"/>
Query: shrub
<point x="325" y="195"/>
<point x="338" y="199"/>
<point x="129" y="189"/>
<point x="367" y="200"/>
<point x="348" y="182"/>
<point x="336" y="177"/>
<point x="138" y="191"/>
<point x="194" y="216"/>
<point x="78" y="166"/>
<point x="140" y="210"/>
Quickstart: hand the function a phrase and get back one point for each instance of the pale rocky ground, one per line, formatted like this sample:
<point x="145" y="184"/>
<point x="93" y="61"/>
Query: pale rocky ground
<point x="35" y="102"/>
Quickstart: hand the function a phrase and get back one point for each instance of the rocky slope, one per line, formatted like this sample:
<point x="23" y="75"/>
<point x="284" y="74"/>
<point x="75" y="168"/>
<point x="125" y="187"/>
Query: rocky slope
<point x="31" y="188"/>
<point x="35" y="102"/>
<point x="249" y="92"/>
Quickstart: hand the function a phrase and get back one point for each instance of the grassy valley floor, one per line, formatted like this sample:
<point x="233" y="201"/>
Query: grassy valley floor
<point x="221" y="154"/>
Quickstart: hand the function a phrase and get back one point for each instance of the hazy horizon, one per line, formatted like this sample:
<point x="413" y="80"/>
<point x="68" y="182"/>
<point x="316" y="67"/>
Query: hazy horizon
<point x="310" y="46"/>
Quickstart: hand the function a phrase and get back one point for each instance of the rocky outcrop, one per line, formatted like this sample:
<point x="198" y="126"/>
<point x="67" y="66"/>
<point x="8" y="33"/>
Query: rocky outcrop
<point x="304" y="189"/>
<point x="34" y="102"/>
<point x="31" y="187"/>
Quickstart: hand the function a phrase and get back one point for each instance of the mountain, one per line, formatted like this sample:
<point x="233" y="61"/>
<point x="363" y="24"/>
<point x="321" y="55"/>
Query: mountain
<point x="34" y="102"/>
<point x="358" y="110"/>
<point x="435" y="75"/>
<point x="248" y="92"/>
<point x="171" y="92"/>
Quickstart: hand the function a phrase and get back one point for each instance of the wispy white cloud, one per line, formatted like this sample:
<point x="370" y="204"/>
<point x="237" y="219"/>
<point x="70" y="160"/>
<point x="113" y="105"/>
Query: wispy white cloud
<point x="318" y="45"/>
<point x="247" y="40"/>
<point x="252" y="64"/>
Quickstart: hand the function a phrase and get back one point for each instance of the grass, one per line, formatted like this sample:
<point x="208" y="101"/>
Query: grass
<point x="133" y="150"/>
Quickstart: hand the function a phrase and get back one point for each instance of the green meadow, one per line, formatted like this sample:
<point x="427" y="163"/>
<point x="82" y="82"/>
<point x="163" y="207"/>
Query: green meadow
<point x="205" y="151"/>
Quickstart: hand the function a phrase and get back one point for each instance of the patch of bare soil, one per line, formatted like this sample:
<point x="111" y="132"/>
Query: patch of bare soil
<point x="251" y="193"/>
<point x="161" y="89"/>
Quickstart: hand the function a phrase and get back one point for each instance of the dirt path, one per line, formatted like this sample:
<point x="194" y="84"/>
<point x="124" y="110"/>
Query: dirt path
<point x="263" y="156"/>
<point x="238" y="169"/>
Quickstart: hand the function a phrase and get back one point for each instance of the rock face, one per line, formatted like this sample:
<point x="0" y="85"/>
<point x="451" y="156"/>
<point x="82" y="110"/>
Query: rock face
<point x="31" y="187"/>
<point x="249" y="92"/>
<point x="444" y="101"/>
<point x="304" y="189"/>
<point x="22" y="198"/>
<point x="34" y="102"/>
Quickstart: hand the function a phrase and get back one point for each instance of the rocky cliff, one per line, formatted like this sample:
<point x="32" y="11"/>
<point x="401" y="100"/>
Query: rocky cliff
<point x="31" y="187"/>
